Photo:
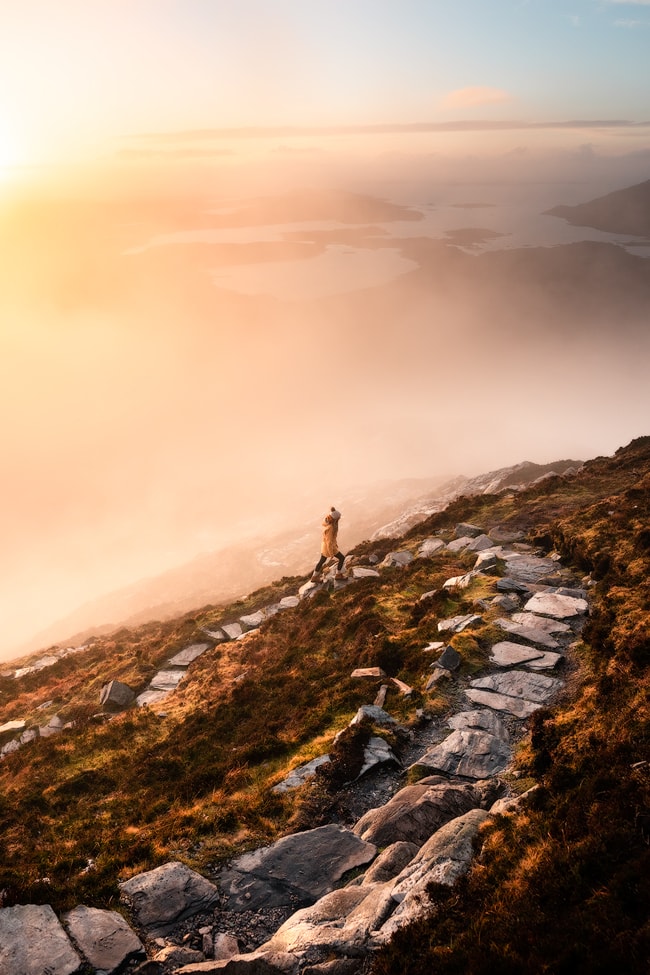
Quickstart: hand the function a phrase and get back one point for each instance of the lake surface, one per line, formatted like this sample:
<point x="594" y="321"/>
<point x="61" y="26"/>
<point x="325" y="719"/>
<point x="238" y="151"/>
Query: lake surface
<point x="475" y="218"/>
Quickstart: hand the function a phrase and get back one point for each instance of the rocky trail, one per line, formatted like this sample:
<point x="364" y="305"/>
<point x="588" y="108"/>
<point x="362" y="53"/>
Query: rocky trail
<point x="408" y="819"/>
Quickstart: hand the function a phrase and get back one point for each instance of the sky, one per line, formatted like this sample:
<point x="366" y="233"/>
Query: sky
<point x="164" y="395"/>
<point x="81" y="77"/>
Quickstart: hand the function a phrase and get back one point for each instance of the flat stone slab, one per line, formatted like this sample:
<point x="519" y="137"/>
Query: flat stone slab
<point x="546" y="623"/>
<point x="290" y="602"/>
<point x="163" y="896"/>
<point x="430" y="546"/>
<point x="466" y="530"/>
<point x="298" y="868"/>
<point x="375" y="714"/>
<point x="485" y="561"/>
<point x="507" y="654"/>
<point x="104" y="938"/>
<point x="471" y="753"/>
<point x="167" y="680"/>
<point x="553" y="604"/>
<point x="186" y="656"/>
<point x="459" y="623"/>
<point x="252" y="620"/>
<point x="508" y="584"/>
<point x="480" y="544"/>
<point x="368" y="672"/>
<point x="501" y="702"/>
<point x="301" y="774"/>
<point x="547" y="661"/>
<point x="459" y="582"/>
<point x="149" y="698"/>
<point x="480" y="719"/>
<point x="232" y="630"/>
<point x="9" y="726"/>
<point x="532" y="634"/>
<point x="33" y="942"/>
<point x="402" y="558"/>
<point x="529" y="568"/>
<point x="360" y="572"/>
<point x="459" y="544"/>
<point x="519" y="684"/>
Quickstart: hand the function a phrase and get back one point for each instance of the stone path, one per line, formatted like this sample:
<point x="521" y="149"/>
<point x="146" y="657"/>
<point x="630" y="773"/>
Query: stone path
<point x="427" y="829"/>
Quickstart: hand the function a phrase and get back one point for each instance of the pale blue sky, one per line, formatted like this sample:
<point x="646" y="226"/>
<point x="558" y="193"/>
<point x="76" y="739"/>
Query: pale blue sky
<point x="76" y="75"/>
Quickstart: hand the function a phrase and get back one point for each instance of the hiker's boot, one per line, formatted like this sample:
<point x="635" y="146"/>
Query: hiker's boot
<point x="340" y="576"/>
<point x="316" y="577"/>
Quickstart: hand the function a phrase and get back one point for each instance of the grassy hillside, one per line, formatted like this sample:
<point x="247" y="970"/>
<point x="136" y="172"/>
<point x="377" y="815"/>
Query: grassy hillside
<point x="563" y="889"/>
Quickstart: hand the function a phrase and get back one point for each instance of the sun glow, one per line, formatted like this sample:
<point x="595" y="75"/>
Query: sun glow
<point x="9" y="154"/>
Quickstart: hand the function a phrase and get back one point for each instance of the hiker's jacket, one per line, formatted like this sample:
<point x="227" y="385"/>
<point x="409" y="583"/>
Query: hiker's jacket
<point x="329" y="545"/>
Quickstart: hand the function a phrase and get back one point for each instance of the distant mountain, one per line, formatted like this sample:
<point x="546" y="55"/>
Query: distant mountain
<point x="622" y="212"/>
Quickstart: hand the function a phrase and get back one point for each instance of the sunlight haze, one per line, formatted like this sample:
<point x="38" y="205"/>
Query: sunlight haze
<point x="257" y="256"/>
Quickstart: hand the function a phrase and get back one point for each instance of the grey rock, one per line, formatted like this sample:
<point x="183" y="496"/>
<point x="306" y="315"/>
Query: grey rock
<point x="459" y="623"/>
<point x="168" y="894"/>
<point x="375" y="714"/>
<point x="416" y="811"/>
<point x="401" y="559"/>
<point x="430" y="546"/>
<point x="218" y="636"/>
<point x="224" y="946"/>
<point x="443" y="859"/>
<point x="33" y="942"/>
<point x="546" y="623"/>
<point x="390" y="862"/>
<point x="449" y="659"/>
<point x="470" y="753"/>
<point x="188" y="655"/>
<point x="116" y="696"/>
<point x="439" y="674"/>
<point x="507" y="654"/>
<point x="507" y="584"/>
<point x="174" y="956"/>
<point x="480" y="544"/>
<point x="301" y="774"/>
<point x="546" y="661"/>
<point x="556" y="605"/>
<point x="485" y="562"/>
<point x="103" y="937"/>
<point x="54" y="726"/>
<point x="512" y="804"/>
<point x="368" y="672"/>
<point x="11" y="726"/>
<point x="289" y="602"/>
<point x="359" y="572"/>
<point x="502" y="702"/>
<point x="538" y="637"/>
<point x="253" y="963"/>
<point x="149" y="698"/>
<point x="298" y="868"/>
<point x="502" y="536"/>
<point x="459" y="544"/>
<point x="465" y="530"/>
<point x="167" y="680"/>
<point x="528" y="568"/>
<point x="506" y="602"/>
<point x="480" y="719"/>
<point x="459" y="582"/>
<point x="232" y="630"/>
<point x="516" y="683"/>
<point x="377" y="752"/>
<point x="252" y="620"/>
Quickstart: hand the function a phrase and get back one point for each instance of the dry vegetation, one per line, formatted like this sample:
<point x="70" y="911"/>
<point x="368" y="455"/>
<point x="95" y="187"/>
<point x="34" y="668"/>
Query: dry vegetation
<point x="563" y="889"/>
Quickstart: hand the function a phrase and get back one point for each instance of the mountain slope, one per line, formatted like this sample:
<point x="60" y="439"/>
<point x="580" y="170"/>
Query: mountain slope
<point x="625" y="211"/>
<point x="564" y="887"/>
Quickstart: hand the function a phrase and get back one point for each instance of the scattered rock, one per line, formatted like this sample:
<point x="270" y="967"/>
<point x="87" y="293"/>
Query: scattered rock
<point x="533" y="635"/>
<point x="510" y="654"/>
<point x="430" y="546"/>
<point x="33" y="942"/>
<point x="465" y="530"/>
<point x="116" y="696"/>
<point x="459" y="582"/>
<point x="556" y="605"/>
<point x="449" y="659"/>
<point x="368" y="672"/>
<point x="459" y="623"/>
<point x="470" y="753"/>
<point x="163" y="896"/>
<point x="103" y="937"/>
<point x="185" y="657"/>
<point x="401" y="559"/>
<point x="301" y="775"/>
<point x="359" y="572"/>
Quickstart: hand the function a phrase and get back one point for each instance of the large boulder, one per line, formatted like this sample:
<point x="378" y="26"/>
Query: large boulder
<point x="163" y="896"/>
<point x="298" y="868"/>
<point x="116" y="696"/>
<point x="417" y="811"/>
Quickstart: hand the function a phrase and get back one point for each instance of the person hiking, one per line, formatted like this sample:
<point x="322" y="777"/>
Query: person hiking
<point x="329" y="546"/>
